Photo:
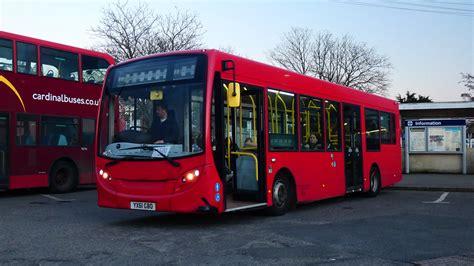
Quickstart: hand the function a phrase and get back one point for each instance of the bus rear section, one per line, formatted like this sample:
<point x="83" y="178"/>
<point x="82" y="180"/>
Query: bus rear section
<point x="48" y="111"/>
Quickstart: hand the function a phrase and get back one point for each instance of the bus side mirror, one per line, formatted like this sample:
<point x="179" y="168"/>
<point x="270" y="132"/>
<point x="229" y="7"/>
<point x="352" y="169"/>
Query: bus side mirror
<point x="233" y="94"/>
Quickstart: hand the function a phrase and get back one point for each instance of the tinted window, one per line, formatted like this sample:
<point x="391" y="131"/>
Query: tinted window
<point x="311" y="124"/>
<point x="372" y="132"/>
<point x="88" y="131"/>
<point x="333" y="125"/>
<point x="26" y="58"/>
<point x="385" y="127"/>
<point x="59" y="64"/>
<point x="392" y="129"/>
<point x="281" y="120"/>
<point x="6" y="55"/>
<point x="93" y="69"/>
<point x="59" y="131"/>
<point x="26" y="130"/>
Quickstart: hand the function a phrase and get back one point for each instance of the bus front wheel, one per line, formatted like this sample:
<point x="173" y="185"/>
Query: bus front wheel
<point x="63" y="177"/>
<point x="281" y="196"/>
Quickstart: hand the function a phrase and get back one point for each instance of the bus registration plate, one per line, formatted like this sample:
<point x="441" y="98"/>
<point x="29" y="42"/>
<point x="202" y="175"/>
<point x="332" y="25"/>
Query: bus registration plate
<point x="145" y="206"/>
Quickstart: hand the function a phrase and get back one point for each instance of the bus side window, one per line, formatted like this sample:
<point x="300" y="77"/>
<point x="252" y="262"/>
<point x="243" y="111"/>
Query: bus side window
<point x="26" y="58"/>
<point x="372" y="132"/>
<point x="6" y="55"/>
<point x="93" y="69"/>
<point x="281" y="121"/>
<point x="59" y="131"/>
<point x="386" y="128"/>
<point x="311" y="124"/>
<point x="59" y="64"/>
<point x="26" y="130"/>
<point x="88" y="131"/>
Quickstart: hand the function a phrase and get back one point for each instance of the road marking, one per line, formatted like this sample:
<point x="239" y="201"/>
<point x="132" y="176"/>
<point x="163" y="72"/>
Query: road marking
<point x="57" y="199"/>
<point x="440" y="200"/>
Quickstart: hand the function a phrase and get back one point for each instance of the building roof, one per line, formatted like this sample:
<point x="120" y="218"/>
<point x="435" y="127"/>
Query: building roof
<point x="436" y="105"/>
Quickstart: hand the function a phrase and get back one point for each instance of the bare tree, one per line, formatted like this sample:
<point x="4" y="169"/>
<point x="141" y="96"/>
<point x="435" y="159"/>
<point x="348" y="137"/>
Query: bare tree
<point x="294" y="53"/>
<point x="129" y="31"/>
<point x="467" y="80"/>
<point x="228" y="49"/>
<point x="338" y="60"/>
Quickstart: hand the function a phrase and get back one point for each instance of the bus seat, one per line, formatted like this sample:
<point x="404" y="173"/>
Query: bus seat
<point x="245" y="168"/>
<point x="57" y="140"/>
<point x="62" y="141"/>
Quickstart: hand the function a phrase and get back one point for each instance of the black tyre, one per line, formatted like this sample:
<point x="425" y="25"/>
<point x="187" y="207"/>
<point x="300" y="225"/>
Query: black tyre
<point x="63" y="177"/>
<point x="375" y="183"/>
<point x="282" y="196"/>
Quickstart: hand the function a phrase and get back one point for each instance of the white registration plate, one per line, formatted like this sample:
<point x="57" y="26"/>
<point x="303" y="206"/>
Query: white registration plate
<point x="145" y="206"/>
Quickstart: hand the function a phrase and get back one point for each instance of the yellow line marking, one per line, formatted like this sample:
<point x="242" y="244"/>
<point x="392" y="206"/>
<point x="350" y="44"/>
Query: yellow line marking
<point x="4" y="80"/>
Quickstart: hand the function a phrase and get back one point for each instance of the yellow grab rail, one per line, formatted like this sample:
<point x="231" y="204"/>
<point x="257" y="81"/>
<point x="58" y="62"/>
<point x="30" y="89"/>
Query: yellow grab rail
<point x="254" y="120"/>
<point x="228" y="129"/>
<point x="271" y="113"/>
<point x="251" y="155"/>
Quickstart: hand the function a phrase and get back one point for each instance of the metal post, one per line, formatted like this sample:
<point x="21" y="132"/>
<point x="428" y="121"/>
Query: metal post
<point x="464" y="151"/>
<point x="407" y="153"/>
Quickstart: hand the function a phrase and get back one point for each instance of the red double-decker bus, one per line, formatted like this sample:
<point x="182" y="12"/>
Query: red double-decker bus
<point x="50" y="97"/>
<point x="206" y="131"/>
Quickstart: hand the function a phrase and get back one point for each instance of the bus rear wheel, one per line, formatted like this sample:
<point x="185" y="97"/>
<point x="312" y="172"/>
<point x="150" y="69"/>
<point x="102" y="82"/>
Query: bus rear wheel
<point x="63" y="177"/>
<point x="374" y="182"/>
<point x="281" y="196"/>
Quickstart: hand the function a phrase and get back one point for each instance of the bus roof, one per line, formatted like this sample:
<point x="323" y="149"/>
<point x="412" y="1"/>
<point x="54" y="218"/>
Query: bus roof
<point x="21" y="38"/>
<point x="281" y="77"/>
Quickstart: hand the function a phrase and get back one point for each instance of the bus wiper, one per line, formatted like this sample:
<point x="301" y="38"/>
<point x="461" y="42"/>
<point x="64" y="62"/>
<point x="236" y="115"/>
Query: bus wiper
<point x="116" y="161"/>
<point x="150" y="148"/>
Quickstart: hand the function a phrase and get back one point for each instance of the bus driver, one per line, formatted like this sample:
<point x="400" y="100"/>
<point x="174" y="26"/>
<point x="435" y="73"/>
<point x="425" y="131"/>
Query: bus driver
<point x="164" y="128"/>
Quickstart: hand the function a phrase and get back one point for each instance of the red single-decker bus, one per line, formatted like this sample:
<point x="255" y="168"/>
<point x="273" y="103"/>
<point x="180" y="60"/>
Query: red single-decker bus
<point x="206" y="131"/>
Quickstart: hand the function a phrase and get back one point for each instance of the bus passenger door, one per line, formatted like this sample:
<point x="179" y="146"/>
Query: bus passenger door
<point x="352" y="148"/>
<point x="3" y="150"/>
<point x="87" y="163"/>
<point x="248" y="135"/>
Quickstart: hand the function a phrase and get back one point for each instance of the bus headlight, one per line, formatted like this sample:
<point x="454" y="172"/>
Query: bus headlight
<point x="104" y="175"/>
<point x="187" y="180"/>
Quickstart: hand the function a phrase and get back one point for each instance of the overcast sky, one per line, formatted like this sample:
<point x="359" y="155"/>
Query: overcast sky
<point x="428" y="42"/>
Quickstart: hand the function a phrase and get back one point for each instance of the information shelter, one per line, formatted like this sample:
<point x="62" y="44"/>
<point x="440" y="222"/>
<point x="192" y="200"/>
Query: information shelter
<point x="435" y="145"/>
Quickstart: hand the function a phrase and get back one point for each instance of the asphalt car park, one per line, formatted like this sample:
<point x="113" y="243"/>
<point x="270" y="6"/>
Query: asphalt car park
<point x="397" y="227"/>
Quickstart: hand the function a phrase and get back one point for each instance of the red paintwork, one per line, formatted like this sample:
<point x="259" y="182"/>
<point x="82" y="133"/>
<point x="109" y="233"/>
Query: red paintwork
<point x="314" y="177"/>
<point x="29" y="166"/>
<point x="28" y="181"/>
